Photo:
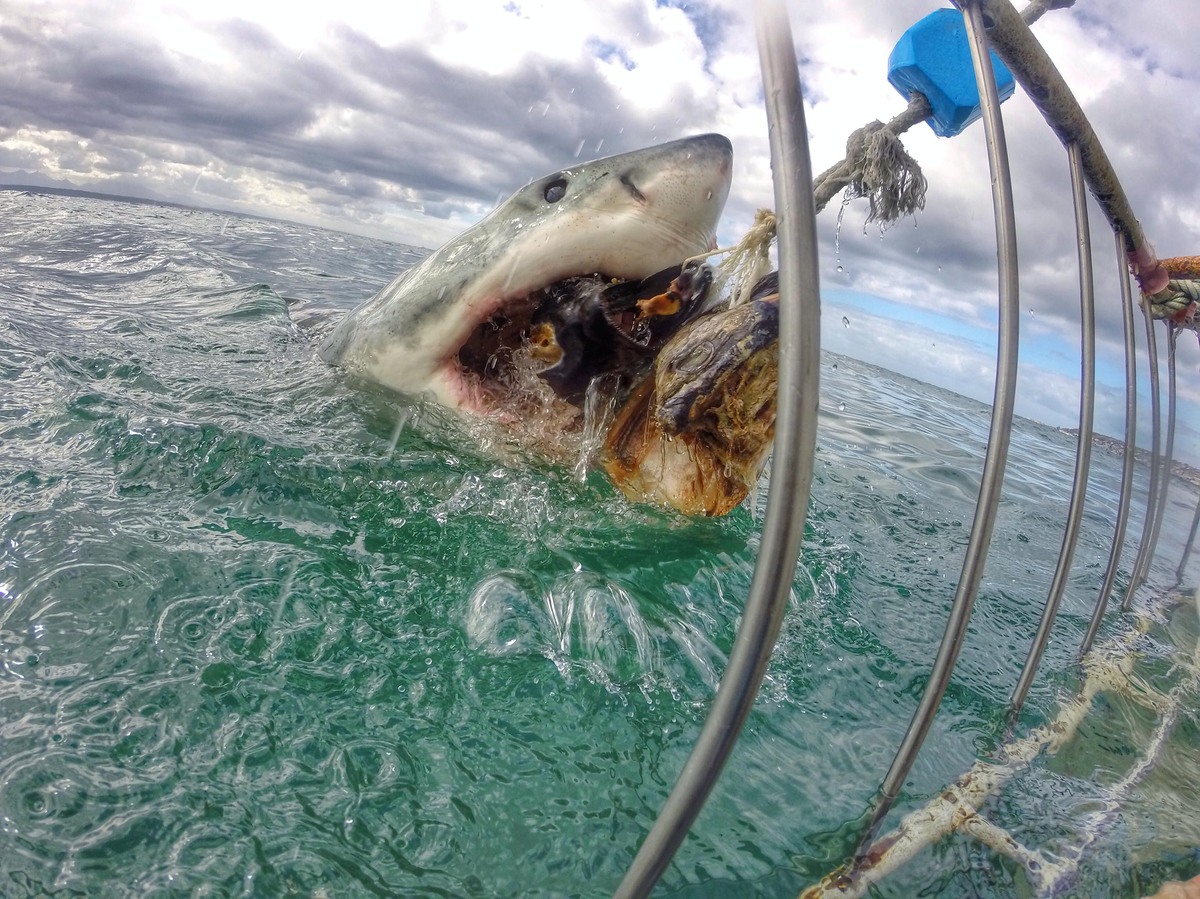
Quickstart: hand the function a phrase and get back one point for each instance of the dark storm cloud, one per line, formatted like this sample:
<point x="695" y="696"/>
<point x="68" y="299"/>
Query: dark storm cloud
<point x="449" y="135"/>
<point x="92" y="82"/>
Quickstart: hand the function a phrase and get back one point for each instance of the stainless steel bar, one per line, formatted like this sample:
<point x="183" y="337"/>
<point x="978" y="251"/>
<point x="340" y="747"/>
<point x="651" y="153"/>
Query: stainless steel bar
<point x="1164" y="487"/>
<point x="1037" y="74"/>
<point x="1142" y="562"/>
<point x="1128" y="457"/>
<point x="1035" y="71"/>
<point x="792" y="467"/>
<point x="1188" y="546"/>
<point x="1001" y="424"/>
<point x="1083" y="446"/>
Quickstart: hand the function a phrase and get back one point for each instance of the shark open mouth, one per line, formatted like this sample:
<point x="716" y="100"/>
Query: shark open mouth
<point x="539" y="356"/>
<point x="540" y="314"/>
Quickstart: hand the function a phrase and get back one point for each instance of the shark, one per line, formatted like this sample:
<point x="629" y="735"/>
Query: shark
<point x="444" y="328"/>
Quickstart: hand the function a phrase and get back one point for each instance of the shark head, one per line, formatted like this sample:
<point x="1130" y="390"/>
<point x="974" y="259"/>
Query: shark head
<point x="624" y="217"/>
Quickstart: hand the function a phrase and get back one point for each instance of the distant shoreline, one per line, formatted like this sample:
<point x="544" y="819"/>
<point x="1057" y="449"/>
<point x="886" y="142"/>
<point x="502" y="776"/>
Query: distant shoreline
<point x="1179" y="469"/>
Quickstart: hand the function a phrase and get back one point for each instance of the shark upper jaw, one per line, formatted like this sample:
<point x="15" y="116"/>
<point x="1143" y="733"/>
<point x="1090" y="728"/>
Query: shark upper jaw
<point x="624" y="217"/>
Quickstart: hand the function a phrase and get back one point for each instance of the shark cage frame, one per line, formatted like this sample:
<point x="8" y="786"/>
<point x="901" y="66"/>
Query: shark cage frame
<point x="994" y="24"/>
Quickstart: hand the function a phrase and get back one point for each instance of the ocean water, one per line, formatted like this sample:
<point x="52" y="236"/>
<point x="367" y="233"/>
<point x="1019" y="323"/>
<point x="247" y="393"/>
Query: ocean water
<point x="267" y="632"/>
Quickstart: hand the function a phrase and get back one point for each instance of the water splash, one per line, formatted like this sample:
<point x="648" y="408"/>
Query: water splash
<point x="599" y="407"/>
<point x="402" y="419"/>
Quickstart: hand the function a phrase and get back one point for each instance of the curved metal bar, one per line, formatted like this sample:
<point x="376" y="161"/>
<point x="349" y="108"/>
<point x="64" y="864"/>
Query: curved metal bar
<point x="1164" y="487"/>
<point x="1035" y="71"/>
<point x="998" y="440"/>
<point x="791" y="470"/>
<point x="1142" y="561"/>
<point x="1118" y="541"/>
<point x="1083" y="447"/>
<point x="1188" y="546"/>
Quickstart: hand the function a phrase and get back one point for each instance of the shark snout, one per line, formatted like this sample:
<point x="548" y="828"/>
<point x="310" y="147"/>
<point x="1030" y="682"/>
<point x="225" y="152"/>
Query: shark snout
<point x="701" y="166"/>
<point x="681" y="187"/>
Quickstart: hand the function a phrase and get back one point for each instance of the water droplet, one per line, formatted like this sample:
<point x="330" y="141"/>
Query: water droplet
<point x="839" y="268"/>
<point x="841" y="407"/>
<point x="845" y="321"/>
<point x="939" y="268"/>
<point x="837" y="230"/>
<point x="428" y="660"/>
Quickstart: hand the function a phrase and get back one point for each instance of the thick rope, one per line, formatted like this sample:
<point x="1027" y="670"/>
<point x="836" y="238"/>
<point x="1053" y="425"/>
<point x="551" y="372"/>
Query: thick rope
<point x="746" y="261"/>
<point x="1179" y="301"/>
<point x="878" y="168"/>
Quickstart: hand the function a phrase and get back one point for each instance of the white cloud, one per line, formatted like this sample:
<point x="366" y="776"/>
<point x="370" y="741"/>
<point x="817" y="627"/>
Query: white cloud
<point x="409" y="121"/>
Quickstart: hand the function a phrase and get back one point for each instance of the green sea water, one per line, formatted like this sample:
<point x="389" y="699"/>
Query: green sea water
<point x="267" y="632"/>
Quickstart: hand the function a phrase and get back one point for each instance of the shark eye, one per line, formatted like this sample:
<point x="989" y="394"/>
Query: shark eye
<point x="555" y="190"/>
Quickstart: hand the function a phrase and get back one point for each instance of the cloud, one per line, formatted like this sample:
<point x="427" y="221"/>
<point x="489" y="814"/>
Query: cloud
<point x="412" y="123"/>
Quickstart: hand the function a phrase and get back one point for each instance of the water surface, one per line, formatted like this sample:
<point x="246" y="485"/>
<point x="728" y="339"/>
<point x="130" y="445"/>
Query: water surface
<point x="267" y="632"/>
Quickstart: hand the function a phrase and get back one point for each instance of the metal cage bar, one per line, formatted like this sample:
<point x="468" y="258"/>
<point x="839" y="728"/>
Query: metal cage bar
<point x="1188" y="546"/>
<point x="792" y="467"/>
<point x="996" y="457"/>
<point x="1128" y="456"/>
<point x="1145" y="550"/>
<point x="1083" y="446"/>
<point x="1168" y="457"/>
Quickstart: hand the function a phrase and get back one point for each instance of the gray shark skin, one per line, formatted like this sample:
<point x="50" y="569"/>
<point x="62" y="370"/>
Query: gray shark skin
<point x="625" y="216"/>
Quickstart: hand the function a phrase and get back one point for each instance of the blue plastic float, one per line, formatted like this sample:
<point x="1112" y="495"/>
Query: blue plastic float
<point x="933" y="58"/>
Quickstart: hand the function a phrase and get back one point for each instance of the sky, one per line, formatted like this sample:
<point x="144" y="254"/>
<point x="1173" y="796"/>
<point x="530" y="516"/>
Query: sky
<point x="411" y="121"/>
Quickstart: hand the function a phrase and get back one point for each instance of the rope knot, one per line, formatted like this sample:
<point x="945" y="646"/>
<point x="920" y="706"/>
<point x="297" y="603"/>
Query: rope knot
<point x="883" y="172"/>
